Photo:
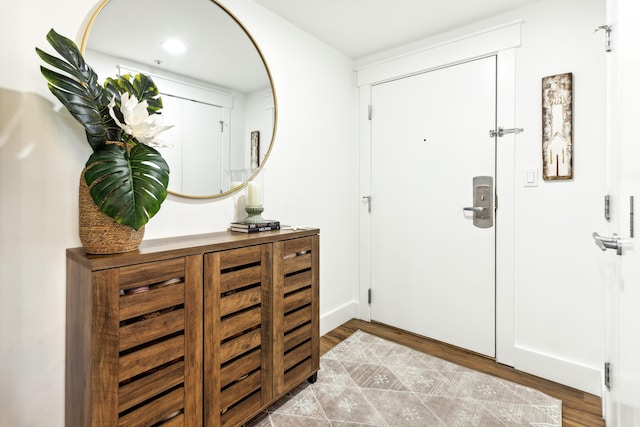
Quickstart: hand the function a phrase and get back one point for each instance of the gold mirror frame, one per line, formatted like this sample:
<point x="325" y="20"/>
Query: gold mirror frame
<point x="254" y="172"/>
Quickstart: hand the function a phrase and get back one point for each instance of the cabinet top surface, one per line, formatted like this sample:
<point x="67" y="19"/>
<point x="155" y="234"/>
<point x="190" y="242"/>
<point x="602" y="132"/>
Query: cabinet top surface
<point x="171" y="247"/>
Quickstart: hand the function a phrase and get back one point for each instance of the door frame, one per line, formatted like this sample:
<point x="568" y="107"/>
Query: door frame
<point x="502" y="42"/>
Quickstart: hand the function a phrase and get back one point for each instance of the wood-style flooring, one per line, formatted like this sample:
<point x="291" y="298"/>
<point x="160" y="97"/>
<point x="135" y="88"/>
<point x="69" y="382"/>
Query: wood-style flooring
<point x="578" y="408"/>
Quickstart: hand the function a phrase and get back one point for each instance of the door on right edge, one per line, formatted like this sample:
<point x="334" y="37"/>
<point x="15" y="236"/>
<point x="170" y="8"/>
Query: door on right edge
<point x="622" y="165"/>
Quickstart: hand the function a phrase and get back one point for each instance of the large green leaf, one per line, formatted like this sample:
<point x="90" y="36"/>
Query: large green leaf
<point x="128" y="187"/>
<point x="78" y="89"/>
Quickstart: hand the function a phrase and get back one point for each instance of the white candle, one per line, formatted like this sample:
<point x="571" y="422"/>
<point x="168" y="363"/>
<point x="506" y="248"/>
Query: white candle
<point x="254" y="194"/>
<point x="235" y="184"/>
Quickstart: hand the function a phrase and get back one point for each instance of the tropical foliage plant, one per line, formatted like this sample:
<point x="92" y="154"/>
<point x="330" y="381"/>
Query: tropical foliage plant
<point x="126" y="175"/>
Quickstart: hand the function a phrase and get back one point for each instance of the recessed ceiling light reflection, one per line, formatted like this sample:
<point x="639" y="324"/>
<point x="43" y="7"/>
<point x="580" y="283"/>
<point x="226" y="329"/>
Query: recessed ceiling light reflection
<point x="174" y="46"/>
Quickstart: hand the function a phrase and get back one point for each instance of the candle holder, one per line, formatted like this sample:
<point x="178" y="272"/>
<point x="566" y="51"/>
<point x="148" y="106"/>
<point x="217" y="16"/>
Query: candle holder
<point x="235" y="178"/>
<point x="254" y="199"/>
<point x="254" y="214"/>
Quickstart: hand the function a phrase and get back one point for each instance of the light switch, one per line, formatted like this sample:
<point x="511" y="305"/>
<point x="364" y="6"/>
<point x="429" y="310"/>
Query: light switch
<point x="531" y="177"/>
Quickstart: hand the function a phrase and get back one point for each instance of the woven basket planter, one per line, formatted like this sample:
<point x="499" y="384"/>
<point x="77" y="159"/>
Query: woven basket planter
<point x="99" y="233"/>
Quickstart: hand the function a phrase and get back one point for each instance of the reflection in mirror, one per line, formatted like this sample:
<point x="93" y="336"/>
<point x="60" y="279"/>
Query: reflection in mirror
<point x="215" y="86"/>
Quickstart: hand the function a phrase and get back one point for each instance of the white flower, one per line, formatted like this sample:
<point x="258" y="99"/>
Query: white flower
<point x="138" y="122"/>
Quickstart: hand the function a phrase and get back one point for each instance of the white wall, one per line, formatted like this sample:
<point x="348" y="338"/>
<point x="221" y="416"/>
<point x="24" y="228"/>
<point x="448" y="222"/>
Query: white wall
<point x="557" y="284"/>
<point x="559" y="306"/>
<point x="311" y="180"/>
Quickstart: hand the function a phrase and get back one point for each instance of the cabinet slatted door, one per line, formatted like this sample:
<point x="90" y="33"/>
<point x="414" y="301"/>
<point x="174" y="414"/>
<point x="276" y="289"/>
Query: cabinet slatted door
<point x="145" y="344"/>
<point x="238" y="346"/>
<point x="295" y="305"/>
<point x="189" y="331"/>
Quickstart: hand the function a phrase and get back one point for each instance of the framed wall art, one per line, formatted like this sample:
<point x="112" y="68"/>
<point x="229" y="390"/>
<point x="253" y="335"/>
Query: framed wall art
<point x="557" y="127"/>
<point x="255" y="149"/>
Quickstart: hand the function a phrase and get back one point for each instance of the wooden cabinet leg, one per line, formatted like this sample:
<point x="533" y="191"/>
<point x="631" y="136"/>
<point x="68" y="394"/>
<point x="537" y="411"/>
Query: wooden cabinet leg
<point x="313" y="378"/>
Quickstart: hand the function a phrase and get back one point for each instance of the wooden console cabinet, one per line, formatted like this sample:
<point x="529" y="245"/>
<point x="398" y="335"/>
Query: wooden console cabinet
<point x="203" y="330"/>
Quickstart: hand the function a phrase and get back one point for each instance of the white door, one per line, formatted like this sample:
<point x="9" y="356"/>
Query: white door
<point x="202" y="136"/>
<point x="622" y="284"/>
<point x="432" y="269"/>
<point x="196" y="146"/>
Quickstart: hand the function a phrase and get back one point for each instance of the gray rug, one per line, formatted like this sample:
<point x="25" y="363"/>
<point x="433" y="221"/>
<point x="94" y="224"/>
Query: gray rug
<point x="368" y="381"/>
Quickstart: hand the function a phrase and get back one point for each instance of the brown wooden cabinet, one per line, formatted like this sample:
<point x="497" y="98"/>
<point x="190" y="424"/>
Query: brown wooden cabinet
<point x="201" y="330"/>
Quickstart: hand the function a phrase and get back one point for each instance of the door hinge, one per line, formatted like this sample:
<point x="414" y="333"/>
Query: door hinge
<point x="607" y="36"/>
<point x="607" y="374"/>
<point x="369" y="295"/>
<point x="369" y="112"/>
<point x="221" y="126"/>
<point x="631" y="218"/>
<point x="607" y="207"/>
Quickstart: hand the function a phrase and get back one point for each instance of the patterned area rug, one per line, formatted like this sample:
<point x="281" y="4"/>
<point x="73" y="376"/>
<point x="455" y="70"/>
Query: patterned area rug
<point x="367" y="381"/>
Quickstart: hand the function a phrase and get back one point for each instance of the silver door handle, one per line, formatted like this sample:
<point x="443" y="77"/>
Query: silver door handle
<point x="475" y="209"/>
<point x="502" y="132"/>
<point x="368" y="200"/>
<point x="604" y="243"/>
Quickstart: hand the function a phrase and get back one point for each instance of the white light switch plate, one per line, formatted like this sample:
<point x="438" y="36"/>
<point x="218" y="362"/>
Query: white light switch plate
<point x="531" y="177"/>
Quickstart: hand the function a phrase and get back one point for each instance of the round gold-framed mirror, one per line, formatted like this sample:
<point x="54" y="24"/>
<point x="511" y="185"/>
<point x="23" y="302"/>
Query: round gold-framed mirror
<point x="216" y="87"/>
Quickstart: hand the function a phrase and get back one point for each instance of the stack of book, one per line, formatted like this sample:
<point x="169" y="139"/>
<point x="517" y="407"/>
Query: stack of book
<point x="267" y="225"/>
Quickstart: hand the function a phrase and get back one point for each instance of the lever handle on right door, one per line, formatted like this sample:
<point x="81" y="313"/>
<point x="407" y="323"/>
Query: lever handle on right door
<point x="604" y="243"/>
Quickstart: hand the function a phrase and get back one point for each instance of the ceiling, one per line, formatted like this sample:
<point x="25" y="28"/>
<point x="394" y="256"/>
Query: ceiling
<point x="359" y="28"/>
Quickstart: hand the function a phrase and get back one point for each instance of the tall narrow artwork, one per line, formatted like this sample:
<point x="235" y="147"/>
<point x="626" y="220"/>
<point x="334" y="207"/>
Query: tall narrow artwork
<point x="255" y="149"/>
<point x="557" y="127"/>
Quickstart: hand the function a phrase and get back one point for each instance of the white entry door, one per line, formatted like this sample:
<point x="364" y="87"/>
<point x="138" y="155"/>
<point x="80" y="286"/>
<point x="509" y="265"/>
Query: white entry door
<point x="622" y="287"/>
<point x="432" y="269"/>
<point x="196" y="146"/>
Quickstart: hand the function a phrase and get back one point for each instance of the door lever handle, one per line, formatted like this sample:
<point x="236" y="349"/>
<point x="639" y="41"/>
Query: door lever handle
<point x="502" y="132"/>
<point x="368" y="200"/>
<point x="475" y="209"/>
<point x="604" y="243"/>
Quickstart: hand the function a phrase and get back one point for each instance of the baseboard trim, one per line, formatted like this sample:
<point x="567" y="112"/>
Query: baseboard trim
<point x="338" y="316"/>
<point x="561" y="371"/>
